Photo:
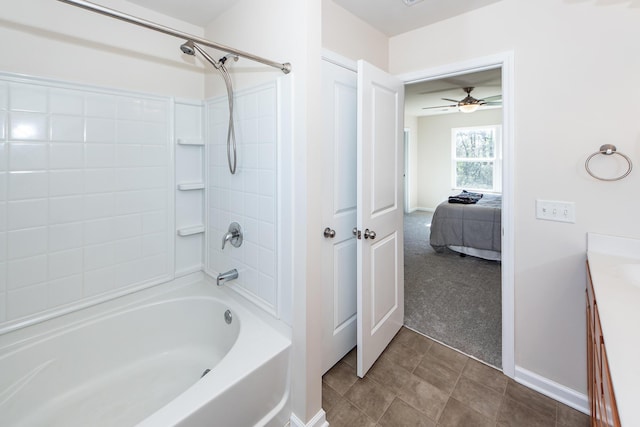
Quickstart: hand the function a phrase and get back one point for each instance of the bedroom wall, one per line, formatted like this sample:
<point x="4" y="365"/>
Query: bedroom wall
<point x="434" y="152"/>
<point x="575" y="89"/>
<point x="411" y="125"/>
<point x="349" y="36"/>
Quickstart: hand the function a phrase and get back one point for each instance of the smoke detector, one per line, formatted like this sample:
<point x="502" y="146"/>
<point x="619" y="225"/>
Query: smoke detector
<point x="411" y="2"/>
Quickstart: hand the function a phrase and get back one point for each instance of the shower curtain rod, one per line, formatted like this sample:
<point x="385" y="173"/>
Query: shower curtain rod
<point x="285" y="68"/>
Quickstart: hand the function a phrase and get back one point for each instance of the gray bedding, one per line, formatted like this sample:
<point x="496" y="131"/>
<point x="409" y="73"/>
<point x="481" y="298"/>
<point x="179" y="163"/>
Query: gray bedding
<point x="474" y="226"/>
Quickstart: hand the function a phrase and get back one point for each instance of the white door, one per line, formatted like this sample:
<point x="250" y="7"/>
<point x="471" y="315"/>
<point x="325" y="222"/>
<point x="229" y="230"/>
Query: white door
<point x="339" y="213"/>
<point x="380" y="159"/>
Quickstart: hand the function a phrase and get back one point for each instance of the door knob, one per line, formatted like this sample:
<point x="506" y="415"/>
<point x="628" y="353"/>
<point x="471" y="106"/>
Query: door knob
<point x="329" y="233"/>
<point x="369" y="234"/>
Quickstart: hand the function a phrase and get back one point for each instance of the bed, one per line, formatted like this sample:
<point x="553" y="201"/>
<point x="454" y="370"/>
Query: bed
<point x="472" y="229"/>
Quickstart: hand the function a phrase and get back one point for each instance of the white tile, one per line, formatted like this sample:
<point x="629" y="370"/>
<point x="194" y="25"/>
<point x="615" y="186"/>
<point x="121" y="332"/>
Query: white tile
<point x="128" y="202"/>
<point x="267" y="179"/>
<point x="100" y="130"/>
<point x="63" y="101"/>
<point x="155" y="110"/>
<point x="98" y="231"/>
<point x="267" y="289"/>
<point x="26" y="243"/>
<point x="4" y="96"/>
<point x="99" y="281"/>
<point x="266" y="100"/>
<point x="27" y="214"/>
<point x="28" y="127"/>
<point x="267" y="129"/>
<point x="156" y="266"/>
<point x="3" y="250"/>
<point x="129" y="108"/>
<point x="27" y="157"/>
<point x="66" y="155"/>
<point x="157" y="155"/>
<point x="3" y="125"/>
<point x="67" y="128"/>
<point x="4" y="156"/>
<point x="3" y="304"/>
<point x="65" y="183"/>
<point x="251" y="182"/>
<point x="127" y="226"/>
<point x="25" y="301"/>
<point x="250" y="227"/>
<point x="65" y="290"/>
<point x="129" y="155"/>
<point x="131" y="132"/>
<point x="267" y="209"/>
<point x="129" y="273"/>
<point x="156" y="134"/>
<point x="235" y="204"/>
<point x="266" y="262"/>
<point x="65" y="263"/>
<point x="4" y="177"/>
<point x="248" y="132"/>
<point x="100" y="155"/>
<point x="65" y="209"/>
<point x="65" y="236"/>
<point x="26" y="97"/>
<point x="153" y="200"/>
<point x="153" y="244"/>
<point x="267" y="156"/>
<point x="154" y="222"/>
<point x="98" y="105"/>
<point x="99" y="256"/>
<point x="28" y="185"/>
<point x="128" y="249"/>
<point x="250" y="156"/>
<point x="99" y="180"/>
<point x="267" y="235"/>
<point x="26" y="271"/>
<point x="251" y="205"/>
<point x="251" y="254"/>
<point x="99" y="205"/>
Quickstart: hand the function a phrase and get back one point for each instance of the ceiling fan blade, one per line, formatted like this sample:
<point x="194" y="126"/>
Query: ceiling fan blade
<point x="492" y="103"/>
<point x="492" y="98"/>
<point x="441" y="106"/>
<point x="450" y="100"/>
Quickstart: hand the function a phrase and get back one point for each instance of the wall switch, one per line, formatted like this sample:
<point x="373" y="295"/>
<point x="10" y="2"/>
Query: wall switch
<point x="552" y="210"/>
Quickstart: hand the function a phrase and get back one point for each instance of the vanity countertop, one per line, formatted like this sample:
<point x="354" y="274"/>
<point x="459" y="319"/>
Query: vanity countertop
<point x="614" y="263"/>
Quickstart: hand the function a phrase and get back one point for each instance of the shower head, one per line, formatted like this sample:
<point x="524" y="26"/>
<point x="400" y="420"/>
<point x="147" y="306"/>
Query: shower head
<point x="187" y="48"/>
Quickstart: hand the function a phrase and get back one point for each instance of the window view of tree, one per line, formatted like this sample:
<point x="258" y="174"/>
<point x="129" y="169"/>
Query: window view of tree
<point x="475" y="158"/>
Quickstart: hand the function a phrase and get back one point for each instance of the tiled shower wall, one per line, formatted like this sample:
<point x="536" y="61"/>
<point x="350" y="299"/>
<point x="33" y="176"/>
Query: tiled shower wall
<point x="249" y="196"/>
<point x="85" y="203"/>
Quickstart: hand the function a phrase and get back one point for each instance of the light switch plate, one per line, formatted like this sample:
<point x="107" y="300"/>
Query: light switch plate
<point x="553" y="210"/>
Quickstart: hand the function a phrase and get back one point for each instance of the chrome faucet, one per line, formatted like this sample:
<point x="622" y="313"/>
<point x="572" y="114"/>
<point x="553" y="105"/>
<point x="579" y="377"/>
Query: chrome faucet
<point x="234" y="235"/>
<point x="226" y="276"/>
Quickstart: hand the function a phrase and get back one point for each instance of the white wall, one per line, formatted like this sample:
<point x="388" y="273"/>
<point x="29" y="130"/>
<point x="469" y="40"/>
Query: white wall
<point x="575" y="89"/>
<point x="411" y="124"/>
<point x="434" y="152"/>
<point x="351" y="37"/>
<point x="47" y="38"/>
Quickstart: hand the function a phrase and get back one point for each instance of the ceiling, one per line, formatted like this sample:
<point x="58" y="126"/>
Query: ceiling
<point x="430" y="93"/>
<point x="392" y="17"/>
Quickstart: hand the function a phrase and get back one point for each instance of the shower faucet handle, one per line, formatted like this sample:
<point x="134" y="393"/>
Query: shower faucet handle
<point x="234" y="235"/>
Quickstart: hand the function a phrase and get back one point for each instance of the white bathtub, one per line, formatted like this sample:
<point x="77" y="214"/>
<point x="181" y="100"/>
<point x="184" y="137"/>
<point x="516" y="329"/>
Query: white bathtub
<point x="138" y="360"/>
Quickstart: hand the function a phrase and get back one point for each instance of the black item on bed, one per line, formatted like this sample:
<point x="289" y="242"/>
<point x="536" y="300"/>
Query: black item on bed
<point x="465" y="198"/>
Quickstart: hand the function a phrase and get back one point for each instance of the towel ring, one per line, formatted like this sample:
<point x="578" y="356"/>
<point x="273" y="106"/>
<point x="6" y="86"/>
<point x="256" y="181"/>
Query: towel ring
<point x="607" y="150"/>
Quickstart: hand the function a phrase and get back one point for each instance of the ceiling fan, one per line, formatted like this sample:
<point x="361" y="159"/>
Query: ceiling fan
<point x="470" y="104"/>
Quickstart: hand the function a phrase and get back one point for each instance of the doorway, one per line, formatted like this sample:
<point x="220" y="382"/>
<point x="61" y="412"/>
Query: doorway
<point x="500" y="273"/>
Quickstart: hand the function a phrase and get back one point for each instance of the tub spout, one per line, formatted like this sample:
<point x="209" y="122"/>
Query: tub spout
<point x="225" y="277"/>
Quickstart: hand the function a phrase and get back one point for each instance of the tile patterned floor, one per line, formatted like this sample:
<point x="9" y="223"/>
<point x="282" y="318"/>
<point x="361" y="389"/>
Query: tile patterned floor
<point x="419" y="382"/>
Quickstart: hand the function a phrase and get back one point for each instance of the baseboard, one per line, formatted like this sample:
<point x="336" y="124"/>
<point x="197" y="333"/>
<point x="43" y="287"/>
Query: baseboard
<point x="319" y="420"/>
<point x="552" y="389"/>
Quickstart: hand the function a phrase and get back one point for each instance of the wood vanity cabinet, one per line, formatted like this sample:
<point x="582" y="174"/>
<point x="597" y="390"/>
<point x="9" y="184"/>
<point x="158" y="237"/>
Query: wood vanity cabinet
<point x="601" y="397"/>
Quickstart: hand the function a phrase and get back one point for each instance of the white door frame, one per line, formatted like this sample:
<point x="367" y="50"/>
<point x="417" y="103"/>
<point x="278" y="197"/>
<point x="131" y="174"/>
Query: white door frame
<point x="505" y="62"/>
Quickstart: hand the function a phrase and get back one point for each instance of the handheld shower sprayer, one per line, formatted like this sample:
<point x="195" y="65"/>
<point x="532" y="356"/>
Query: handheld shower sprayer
<point x="190" y="48"/>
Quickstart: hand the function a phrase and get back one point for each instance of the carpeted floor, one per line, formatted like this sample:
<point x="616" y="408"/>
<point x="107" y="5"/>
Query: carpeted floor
<point x="452" y="299"/>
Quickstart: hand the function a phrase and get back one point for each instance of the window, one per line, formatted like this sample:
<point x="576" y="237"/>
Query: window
<point x="476" y="158"/>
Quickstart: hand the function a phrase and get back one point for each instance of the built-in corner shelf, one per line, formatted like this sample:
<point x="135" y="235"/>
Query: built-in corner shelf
<point x="190" y="231"/>
<point x="188" y="186"/>
<point x="190" y="141"/>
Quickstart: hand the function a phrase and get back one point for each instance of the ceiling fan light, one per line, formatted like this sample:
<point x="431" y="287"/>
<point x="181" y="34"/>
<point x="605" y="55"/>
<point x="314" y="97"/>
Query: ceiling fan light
<point x="468" y="108"/>
<point x="411" y="2"/>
